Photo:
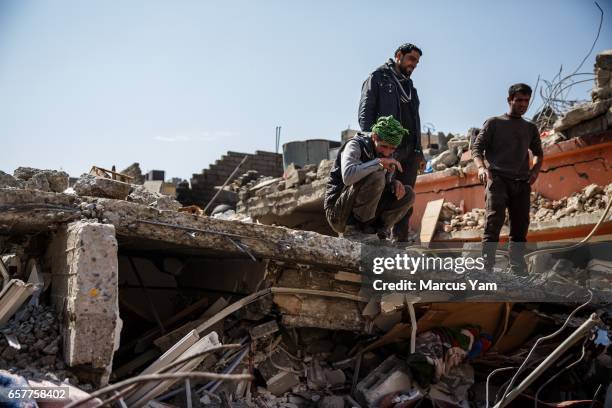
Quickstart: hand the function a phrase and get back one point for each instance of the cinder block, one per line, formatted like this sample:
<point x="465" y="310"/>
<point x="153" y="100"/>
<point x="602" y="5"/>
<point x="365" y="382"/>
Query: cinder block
<point x="390" y="376"/>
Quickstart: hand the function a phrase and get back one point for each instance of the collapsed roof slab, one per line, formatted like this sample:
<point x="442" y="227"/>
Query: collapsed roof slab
<point x="21" y="209"/>
<point x="36" y="211"/>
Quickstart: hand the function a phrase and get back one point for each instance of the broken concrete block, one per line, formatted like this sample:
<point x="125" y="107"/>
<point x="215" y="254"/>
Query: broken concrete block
<point x="591" y="190"/>
<point x="335" y="377"/>
<point x="448" y="158"/>
<point x="603" y="60"/>
<point x="38" y="182"/>
<point x="85" y="287"/>
<point x="263" y="330"/>
<point x="282" y="382"/>
<point x="455" y="143"/>
<point x="89" y="185"/>
<point x="324" y="168"/>
<point x="582" y="113"/>
<point x="390" y="376"/>
<point x="294" y="176"/>
<point x="6" y="180"/>
<point x="25" y="173"/>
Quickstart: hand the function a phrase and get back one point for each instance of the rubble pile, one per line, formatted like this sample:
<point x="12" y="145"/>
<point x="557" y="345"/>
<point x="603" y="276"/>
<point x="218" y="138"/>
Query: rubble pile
<point x="590" y="199"/>
<point x="35" y="179"/>
<point x="87" y="185"/>
<point x="34" y="347"/>
<point x="591" y="117"/>
<point x="451" y="157"/>
<point x="139" y="194"/>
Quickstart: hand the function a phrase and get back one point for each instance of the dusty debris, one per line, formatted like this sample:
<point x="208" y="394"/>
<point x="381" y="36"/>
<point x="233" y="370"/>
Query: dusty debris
<point x="139" y="194"/>
<point x="37" y="330"/>
<point x="45" y="180"/>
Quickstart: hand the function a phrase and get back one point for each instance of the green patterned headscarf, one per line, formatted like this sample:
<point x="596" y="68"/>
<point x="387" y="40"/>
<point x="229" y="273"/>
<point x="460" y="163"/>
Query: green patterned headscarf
<point x="389" y="130"/>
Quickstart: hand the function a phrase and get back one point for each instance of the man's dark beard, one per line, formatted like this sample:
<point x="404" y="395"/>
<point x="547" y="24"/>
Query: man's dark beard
<point x="405" y="71"/>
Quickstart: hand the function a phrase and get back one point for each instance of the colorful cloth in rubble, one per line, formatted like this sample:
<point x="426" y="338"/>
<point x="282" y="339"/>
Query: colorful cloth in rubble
<point x="440" y="349"/>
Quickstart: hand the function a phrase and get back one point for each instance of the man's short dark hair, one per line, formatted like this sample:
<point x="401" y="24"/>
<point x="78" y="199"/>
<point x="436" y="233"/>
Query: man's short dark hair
<point x="519" y="88"/>
<point x="407" y="48"/>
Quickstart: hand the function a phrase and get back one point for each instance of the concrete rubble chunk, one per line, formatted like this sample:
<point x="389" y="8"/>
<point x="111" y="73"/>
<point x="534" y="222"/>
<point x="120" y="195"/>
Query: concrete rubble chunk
<point x="45" y="180"/>
<point x="324" y="168"/>
<point x="6" y="180"/>
<point x="38" y="182"/>
<point x="139" y="194"/>
<point x="294" y="176"/>
<point x="591" y="190"/>
<point x="447" y="158"/>
<point x="89" y="185"/>
<point x="282" y="382"/>
<point x="264" y="330"/>
<point x="582" y="113"/>
<point x="84" y="286"/>
<point x="604" y="60"/>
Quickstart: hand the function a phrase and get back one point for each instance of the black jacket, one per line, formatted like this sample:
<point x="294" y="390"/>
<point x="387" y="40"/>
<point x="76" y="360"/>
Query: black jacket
<point x="335" y="184"/>
<point x="380" y="97"/>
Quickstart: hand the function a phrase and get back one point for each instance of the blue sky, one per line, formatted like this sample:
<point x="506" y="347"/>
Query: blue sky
<point x="175" y="84"/>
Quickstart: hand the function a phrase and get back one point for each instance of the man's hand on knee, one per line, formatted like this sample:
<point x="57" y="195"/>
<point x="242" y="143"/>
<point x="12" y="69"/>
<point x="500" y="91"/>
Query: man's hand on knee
<point x="398" y="189"/>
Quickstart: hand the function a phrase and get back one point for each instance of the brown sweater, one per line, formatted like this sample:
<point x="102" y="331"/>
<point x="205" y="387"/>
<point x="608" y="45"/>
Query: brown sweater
<point x="504" y="142"/>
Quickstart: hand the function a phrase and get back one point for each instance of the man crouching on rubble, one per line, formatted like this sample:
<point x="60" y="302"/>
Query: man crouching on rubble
<point x="362" y="195"/>
<point x="505" y="142"/>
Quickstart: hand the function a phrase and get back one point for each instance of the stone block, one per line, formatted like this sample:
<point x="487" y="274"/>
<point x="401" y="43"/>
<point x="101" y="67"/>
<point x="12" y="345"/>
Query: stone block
<point x="89" y="185"/>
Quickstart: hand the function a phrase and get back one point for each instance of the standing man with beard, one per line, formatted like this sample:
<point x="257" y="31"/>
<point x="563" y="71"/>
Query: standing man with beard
<point x="389" y="91"/>
<point x="505" y="142"/>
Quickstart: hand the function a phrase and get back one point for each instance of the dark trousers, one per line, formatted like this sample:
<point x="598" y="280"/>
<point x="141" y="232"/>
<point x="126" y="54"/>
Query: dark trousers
<point x="410" y="164"/>
<point x="369" y="201"/>
<point x="503" y="193"/>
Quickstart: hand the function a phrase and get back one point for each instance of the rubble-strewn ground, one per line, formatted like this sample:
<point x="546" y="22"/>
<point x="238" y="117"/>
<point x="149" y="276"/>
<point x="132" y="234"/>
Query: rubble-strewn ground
<point x="589" y="199"/>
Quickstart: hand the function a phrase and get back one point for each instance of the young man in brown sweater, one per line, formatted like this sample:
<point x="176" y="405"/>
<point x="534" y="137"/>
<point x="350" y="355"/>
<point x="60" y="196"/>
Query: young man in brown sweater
<point x="504" y="142"/>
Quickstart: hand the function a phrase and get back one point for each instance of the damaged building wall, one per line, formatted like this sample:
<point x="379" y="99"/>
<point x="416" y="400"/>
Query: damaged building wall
<point x="203" y="184"/>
